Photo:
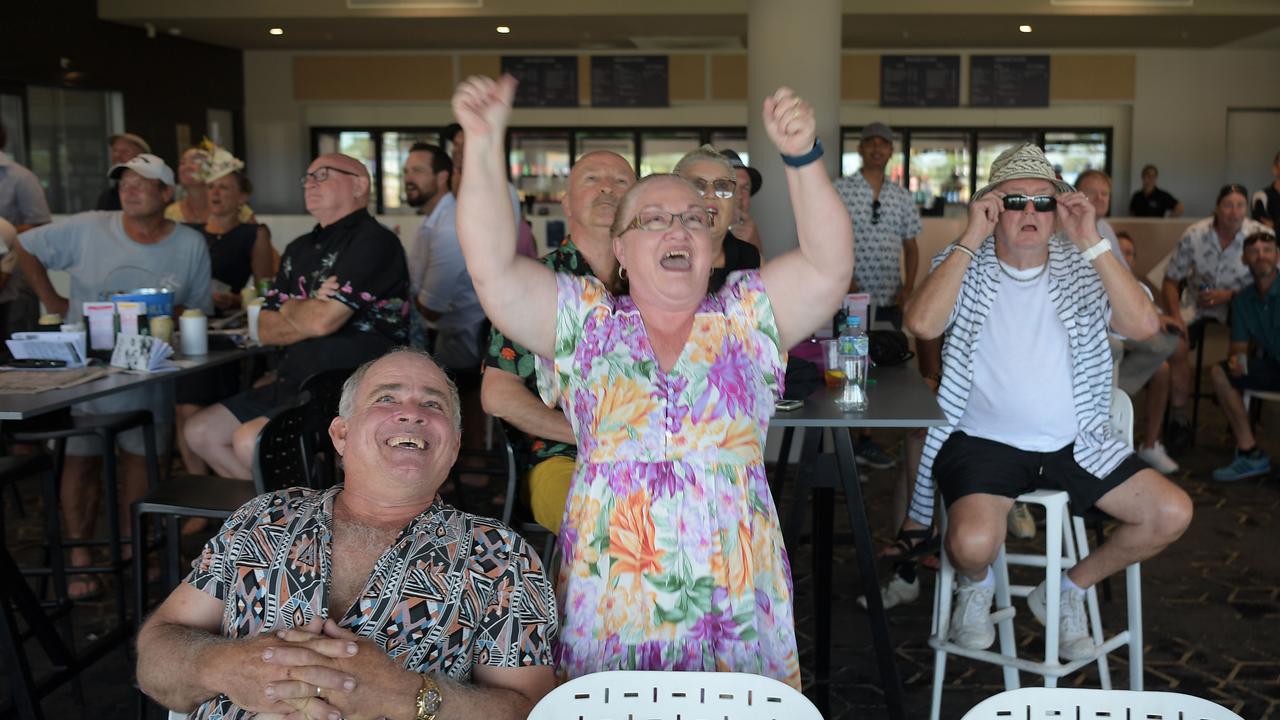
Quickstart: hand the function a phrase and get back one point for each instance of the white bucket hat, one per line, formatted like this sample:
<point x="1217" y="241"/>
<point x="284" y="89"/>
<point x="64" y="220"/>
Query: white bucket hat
<point x="1026" y="161"/>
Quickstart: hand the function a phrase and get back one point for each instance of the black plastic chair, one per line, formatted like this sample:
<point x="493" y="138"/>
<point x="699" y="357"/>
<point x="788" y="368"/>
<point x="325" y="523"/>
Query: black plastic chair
<point x="280" y="460"/>
<point x="511" y="504"/>
<point x="321" y="393"/>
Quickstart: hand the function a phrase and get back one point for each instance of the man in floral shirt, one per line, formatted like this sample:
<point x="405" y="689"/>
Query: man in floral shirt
<point x="544" y="442"/>
<point x="340" y="299"/>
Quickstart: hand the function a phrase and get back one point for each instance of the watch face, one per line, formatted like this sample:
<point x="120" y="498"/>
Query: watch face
<point x="432" y="701"/>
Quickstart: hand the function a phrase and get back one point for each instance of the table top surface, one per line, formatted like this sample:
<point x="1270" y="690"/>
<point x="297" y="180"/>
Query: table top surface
<point x="896" y="397"/>
<point x="20" y="406"/>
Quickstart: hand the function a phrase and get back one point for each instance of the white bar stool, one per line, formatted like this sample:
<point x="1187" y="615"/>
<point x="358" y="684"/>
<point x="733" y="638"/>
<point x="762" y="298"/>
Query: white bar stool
<point x="1056" y="559"/>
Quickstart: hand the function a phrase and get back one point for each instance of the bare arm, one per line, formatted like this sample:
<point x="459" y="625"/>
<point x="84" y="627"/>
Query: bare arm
<point x="930" y="307"/>
<point x="806" y="285"/>
<point x="504" y="395"/>
<point x="263" y="256"/>
<point x="1169" y="289"/>
<point x="911" y="269"/>
<point x="1132" y="314"/>
<point x="298" y="320"/>
<point x="518" y="294"/>
<point x="1177" y="210"/>
<point x="38" y="278"/>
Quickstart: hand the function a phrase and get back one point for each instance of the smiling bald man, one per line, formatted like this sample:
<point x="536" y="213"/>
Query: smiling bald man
<point x="340" y="299"/>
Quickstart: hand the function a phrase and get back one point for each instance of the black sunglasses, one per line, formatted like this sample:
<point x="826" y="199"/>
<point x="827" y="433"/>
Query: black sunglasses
<point x="875" y="212"/>
<point x="1042" y="203"/>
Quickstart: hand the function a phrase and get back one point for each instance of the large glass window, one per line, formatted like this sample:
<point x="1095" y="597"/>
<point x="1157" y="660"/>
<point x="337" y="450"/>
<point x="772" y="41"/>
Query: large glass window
<point x="732" y="140"/>
<point x="68" y="144"/>
<point x="1074" y="152"/>
<point x="623" y="144"/>
<point x="990" y="145"/>
<point x="851" y="161"/>
<point x="395" y="148"/>
<point x="939" y="169"/>
<point x="539" y="163"/>
<point x="382" y="151"/>
<point x="660" y="151"/>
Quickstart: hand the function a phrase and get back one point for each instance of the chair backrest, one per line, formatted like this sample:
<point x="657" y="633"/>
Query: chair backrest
<point x="513" y="472"/>
<point x="1122" y="416"/>
<point x="321" y="393"/>
<point x="1041" y="703"/>
<point x="672" y="695"/>
<point x="283" y="455"/>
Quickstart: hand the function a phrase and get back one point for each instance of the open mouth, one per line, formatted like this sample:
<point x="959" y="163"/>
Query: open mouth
<point x="676" y="260"/>
<point x="407" y="442"/>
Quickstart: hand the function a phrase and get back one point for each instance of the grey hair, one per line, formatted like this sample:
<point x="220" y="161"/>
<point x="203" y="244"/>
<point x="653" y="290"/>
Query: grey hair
<point x="706" y="152"/>
<point x="346" y="403"/>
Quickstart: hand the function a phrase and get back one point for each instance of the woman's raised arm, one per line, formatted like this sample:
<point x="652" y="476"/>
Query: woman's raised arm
<point x="518" y="294"/>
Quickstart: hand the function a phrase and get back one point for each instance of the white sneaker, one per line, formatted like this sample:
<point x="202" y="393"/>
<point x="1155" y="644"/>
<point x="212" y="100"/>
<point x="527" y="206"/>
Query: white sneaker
<point x="1156" y="457"/>
<point x="1020" y="523"/>
<point x="1074" y="641"/>
<point x="895" y="592"/>
<point x="971" y="624"/>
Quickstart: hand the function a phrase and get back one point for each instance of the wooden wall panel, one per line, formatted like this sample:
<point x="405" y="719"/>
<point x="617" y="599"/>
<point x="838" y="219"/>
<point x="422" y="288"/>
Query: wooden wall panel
<point x="488" y="65"/>
<point x="860" y="77"/>
<point x="687" y="77"/>
<point x="729" y="77"/>
<point x="372" y="77"/>
<point x="1091" y="77"/>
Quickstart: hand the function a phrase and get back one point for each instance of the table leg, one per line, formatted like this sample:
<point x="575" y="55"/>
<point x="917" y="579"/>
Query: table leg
<point x="780" y="467"/>
<point x="823" y="539"/>
<point x="847" y="470"/>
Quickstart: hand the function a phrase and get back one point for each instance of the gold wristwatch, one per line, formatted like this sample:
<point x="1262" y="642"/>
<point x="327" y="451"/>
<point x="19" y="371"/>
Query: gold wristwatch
<point x="429" y="699"/>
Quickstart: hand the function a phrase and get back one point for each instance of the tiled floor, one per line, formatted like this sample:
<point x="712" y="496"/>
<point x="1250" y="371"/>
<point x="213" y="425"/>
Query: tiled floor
<point x="1211" y="604"/>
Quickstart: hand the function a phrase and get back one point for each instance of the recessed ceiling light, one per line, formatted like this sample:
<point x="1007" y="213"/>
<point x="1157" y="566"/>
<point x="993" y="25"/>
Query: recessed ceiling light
<point x="503" y="29"/>
<point x="276" y="31"/>
<point x="1024" y="28"/>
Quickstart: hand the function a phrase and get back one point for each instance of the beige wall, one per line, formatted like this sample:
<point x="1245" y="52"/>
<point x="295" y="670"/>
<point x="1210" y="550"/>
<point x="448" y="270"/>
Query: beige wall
<point x="1176" y="118"/>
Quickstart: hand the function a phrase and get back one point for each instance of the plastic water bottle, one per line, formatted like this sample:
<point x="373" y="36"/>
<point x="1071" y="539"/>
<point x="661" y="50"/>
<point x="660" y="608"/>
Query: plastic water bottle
<point x="853" y="348"/>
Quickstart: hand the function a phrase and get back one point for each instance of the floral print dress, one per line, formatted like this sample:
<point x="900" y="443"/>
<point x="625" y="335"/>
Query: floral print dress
<point x="672" y="552"/>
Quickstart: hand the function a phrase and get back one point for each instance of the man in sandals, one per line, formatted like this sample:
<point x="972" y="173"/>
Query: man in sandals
<point x="1026" y="388"/>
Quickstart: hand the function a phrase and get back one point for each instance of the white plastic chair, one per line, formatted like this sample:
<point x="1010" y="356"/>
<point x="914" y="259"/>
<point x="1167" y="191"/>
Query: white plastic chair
<point x="1065" y="543"/>
<point x="673" y="695"/>
<point x="1083" y="704"/>
<point x="1260" y="395"/>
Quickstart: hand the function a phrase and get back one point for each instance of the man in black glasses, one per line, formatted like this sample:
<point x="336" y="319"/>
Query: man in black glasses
<point x="885" y="225"/>
<point x="339" y="300"/>
<point x="1024" y="300"/>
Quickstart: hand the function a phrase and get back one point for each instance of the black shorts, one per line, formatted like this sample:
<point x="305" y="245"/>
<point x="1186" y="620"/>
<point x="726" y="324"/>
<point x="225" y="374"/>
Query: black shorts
<point x="966" y="465"/>
<point x="263" y="401"/>
<point x="1263" y="374"/>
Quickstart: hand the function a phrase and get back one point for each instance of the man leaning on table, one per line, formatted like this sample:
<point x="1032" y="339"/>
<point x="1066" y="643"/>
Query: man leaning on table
<point x="371" y="599"/>
<point x="105" y="252"/>
<point x="1026" y="389"/>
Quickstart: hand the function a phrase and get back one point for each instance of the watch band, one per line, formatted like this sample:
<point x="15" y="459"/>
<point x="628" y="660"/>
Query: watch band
<point x="798" y="161"/>
<point x="429" y="699"/>
<point x="1096" y="249"/>
<point x="957" y="246"/>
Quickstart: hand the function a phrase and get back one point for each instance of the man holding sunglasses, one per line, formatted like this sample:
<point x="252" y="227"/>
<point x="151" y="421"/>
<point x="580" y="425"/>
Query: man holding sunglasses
<point x="1025" y="298"/>
<point x="885" y="225"/>
<point x="339" y="300"/>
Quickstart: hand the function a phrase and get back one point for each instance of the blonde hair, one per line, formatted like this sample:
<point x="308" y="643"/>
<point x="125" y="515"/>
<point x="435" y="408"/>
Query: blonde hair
<point x="708" y="153"/>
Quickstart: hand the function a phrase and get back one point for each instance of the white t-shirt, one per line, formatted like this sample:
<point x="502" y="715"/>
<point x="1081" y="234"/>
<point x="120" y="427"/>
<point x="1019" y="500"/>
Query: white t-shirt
<point x="1022" y="392"/>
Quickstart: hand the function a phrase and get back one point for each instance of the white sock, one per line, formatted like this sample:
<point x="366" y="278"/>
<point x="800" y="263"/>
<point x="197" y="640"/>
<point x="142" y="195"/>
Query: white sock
<point x="1068" y="585"/>
<point x="987" y="580"/>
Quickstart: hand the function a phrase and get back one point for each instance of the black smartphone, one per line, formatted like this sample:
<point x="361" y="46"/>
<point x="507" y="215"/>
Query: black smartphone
<point x="36" y="364"/>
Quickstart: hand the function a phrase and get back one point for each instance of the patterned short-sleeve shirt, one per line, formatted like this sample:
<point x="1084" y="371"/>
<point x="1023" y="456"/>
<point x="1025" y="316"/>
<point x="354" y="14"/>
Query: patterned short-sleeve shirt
<point x="1200" y="259"/>
<point x="878" y="233"/>
<point x="453" y="591"/>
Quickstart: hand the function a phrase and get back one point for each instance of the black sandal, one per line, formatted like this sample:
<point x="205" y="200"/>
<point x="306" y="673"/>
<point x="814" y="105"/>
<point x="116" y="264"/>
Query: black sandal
<point x="912" y="544"/>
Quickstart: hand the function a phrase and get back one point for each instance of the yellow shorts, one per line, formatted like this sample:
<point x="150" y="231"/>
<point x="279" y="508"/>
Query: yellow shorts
<point x="545" y="489"/>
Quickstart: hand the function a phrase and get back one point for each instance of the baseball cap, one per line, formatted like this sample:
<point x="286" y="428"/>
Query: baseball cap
<point x="756" y="179"/>
<point x="146" y="165"/>
<point x="877" y="129"/>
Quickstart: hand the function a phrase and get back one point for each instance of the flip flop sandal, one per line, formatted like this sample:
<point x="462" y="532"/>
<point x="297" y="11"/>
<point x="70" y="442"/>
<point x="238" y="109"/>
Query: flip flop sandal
<point x="912" y="544"/>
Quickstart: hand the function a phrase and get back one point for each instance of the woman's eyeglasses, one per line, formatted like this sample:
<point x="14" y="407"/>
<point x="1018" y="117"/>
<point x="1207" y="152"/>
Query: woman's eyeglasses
<point x="875" y="212"/>
<point x="722" y="188"/>
<point x="321" y="174"/>
<point x="1041" y="203"/>
<point x="658" y="220"/>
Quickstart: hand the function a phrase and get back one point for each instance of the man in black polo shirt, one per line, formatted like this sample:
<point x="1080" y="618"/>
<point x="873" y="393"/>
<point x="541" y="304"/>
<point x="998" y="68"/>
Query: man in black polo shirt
<point x="1151" y="201"/>
<point x="340" y="299"/>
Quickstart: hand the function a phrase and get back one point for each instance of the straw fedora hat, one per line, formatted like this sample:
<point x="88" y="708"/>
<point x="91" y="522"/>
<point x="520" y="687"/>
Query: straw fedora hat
<point x="1026" y="161"/>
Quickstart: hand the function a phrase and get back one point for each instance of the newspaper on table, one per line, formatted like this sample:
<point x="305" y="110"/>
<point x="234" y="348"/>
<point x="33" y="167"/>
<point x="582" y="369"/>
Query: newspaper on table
<point x="68" y="347"/>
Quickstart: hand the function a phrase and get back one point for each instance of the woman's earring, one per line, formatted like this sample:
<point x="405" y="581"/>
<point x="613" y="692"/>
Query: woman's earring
<point x="622" y="272"/>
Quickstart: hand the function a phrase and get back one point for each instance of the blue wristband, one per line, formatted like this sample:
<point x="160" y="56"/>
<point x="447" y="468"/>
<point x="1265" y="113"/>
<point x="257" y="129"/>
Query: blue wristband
<point x="797" y="161"/>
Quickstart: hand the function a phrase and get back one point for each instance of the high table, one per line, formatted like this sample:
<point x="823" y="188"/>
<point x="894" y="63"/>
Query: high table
<point x="13" y="587"/>
<point x="897" y="397"/>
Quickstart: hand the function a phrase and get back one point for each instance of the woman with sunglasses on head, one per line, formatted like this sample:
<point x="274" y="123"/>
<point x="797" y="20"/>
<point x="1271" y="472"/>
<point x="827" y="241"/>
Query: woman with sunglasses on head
<point x="673" y="555"/>
<point x="713" y="176"/>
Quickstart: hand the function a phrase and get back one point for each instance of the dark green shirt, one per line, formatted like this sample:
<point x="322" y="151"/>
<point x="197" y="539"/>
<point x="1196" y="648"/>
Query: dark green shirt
<point x="515" y="359"/>
<point x="1256" y="318"/>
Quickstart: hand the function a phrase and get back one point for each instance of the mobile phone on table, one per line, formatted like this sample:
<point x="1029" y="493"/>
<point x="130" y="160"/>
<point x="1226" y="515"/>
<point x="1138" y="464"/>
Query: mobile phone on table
<point x="36" y="364"/>
<point x="788" y="405"/>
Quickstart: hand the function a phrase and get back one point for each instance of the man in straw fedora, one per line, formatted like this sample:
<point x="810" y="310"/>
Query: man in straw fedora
<point x="1025" y="297"/>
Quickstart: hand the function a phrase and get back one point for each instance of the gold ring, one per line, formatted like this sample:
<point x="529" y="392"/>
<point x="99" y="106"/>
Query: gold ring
<point x="317" y="691"/>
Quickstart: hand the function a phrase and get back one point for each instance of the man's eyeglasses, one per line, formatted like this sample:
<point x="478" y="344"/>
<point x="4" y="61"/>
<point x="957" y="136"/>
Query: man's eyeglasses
<point x="321" y="174"/>
<point x="875" y="212"/>
<point x="1042" y="203"/>
<point x="722" y="188"/>
<point x="659" y="220"/>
